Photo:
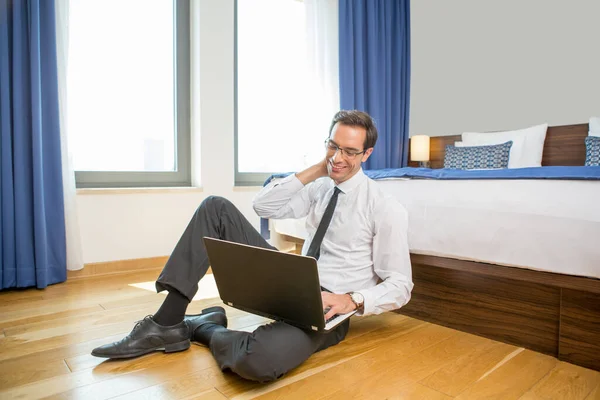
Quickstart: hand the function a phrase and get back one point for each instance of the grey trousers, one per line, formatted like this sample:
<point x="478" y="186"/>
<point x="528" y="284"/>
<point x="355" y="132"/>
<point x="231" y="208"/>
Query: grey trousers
<point x="271" y="350"/>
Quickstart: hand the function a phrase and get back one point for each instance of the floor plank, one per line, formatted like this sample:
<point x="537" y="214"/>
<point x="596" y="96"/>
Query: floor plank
<point x="415" y="391"/>
<point x="431" y="359"/>
<point x="141" y="377"/>
<point x="412" y="391"/>
<point x="402" y="371"/>
<point x="44" y="308"/>
<point x="565" y="381"/>
<point x="468" y="368"/>
<point x="208" y="395"/>
<point x="12" y="375"/>
<point x="70" y="314"/>
<point x="33" y="365"/>
<point x="184" y="386"/>
<point x="512" y="379"/>
<point x="595" y="394"/>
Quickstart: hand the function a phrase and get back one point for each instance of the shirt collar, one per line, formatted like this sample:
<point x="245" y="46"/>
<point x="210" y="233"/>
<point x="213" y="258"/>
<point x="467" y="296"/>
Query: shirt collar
<point x="353" y="182"/>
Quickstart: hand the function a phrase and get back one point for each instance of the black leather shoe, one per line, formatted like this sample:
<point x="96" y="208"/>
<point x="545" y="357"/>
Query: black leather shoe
<point x="147" y="336"/>
<point x="201" y="322"/>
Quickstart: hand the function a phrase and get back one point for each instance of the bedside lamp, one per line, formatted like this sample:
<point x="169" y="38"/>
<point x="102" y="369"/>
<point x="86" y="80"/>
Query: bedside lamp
<point x="419" y="150"/>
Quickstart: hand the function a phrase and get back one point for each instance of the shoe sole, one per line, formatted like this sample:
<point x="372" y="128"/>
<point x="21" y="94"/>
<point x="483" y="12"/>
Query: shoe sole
<point x="213" y="309"/>
<point x="207" y="311"/>
<point x="170" y="348"/>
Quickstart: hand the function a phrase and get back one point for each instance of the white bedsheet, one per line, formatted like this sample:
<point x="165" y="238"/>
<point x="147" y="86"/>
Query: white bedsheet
<point x="545" y="225"/>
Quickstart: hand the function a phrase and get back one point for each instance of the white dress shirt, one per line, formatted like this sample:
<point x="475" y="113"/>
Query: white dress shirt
<point x="365" y="248"/>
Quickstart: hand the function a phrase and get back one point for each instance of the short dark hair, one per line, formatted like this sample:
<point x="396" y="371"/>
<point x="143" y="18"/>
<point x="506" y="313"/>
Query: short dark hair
<point x="357" y="118"/>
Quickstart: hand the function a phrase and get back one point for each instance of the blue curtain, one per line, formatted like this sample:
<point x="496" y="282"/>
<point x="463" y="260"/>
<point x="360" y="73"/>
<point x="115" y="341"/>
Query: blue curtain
<point x="32" y="234"/>
<point x="374" y="40"/>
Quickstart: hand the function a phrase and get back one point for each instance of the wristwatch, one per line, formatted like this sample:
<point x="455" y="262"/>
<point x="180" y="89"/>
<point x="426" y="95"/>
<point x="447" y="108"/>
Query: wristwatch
<point x="358" y="299"/>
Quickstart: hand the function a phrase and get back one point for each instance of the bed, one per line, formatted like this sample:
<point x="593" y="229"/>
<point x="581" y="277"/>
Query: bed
<point x="492" y="256"/>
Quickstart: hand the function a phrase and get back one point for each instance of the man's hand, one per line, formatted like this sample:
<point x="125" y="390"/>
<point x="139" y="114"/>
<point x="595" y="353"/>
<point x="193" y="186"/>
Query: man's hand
<point x="337" y="304"/>
<point x="314" y="172"/>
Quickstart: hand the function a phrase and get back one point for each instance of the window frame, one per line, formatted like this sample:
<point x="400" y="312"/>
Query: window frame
<point x="241" y="178"/>
<point x="181" y="177"/>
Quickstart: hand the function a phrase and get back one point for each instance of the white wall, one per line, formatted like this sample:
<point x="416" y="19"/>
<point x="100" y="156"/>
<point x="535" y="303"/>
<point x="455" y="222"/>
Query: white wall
<point x="126" y="226"/>
<point x="494" y="65"/>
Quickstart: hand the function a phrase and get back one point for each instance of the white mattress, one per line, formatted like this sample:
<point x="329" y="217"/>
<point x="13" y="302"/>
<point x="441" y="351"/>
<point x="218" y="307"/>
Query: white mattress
<point x="546" y="225"/>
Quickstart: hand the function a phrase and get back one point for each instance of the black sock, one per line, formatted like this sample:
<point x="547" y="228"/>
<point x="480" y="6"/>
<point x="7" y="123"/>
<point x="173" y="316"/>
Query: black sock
<point x="172" y="310"/>
<point x="204" y="333"/>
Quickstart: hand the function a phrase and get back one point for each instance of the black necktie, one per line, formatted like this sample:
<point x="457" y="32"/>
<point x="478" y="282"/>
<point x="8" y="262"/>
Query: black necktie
<point x="315" y="246"/>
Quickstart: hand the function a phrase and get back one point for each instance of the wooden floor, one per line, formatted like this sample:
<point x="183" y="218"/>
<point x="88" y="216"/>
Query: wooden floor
<point x="46" y="337"/>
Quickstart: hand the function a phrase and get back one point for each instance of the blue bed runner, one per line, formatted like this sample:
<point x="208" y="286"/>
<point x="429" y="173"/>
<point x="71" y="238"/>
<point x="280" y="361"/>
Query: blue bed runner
<point x="558" y="173"/>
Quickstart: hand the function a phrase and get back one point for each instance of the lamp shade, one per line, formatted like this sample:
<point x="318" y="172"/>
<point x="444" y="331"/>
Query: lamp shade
<point x="419" y="148"/>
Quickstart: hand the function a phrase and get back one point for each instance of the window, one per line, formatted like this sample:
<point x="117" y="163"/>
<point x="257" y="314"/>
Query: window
<point x="128" y="92"/>
<point x="277" y="122"/>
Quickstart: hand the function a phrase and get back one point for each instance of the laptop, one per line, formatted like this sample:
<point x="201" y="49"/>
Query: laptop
<point x="280" y="286"/>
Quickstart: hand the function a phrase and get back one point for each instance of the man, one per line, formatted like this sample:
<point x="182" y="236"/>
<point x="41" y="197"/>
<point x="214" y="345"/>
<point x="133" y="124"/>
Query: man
<point x="357" y="234"/>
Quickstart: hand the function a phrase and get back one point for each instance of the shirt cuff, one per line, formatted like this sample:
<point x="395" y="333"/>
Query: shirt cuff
<point x="369" y="304"/>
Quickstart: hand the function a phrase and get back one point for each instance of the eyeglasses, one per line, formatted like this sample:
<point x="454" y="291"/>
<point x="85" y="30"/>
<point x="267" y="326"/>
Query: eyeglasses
<point x="347" y="154"/>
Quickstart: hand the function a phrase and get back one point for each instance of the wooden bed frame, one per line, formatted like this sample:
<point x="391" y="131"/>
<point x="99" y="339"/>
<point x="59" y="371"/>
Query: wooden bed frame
<point x="564" y="145"/>
<point x="551" y="313"/>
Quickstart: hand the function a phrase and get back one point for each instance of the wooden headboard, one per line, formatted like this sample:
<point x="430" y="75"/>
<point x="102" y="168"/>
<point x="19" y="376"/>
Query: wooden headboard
<point x="564" y="145"/>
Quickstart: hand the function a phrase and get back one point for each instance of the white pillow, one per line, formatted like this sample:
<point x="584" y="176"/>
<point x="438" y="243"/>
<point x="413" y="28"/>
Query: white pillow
<point x="594" y="126"/>
<point x="527" y="148"/>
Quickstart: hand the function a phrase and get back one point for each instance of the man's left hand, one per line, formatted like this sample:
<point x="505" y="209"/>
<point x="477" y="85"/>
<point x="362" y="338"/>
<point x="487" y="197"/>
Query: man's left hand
<point x="337" y="304"/>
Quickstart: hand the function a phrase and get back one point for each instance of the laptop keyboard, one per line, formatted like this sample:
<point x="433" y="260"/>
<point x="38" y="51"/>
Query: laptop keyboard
<point x="332" y="318"/>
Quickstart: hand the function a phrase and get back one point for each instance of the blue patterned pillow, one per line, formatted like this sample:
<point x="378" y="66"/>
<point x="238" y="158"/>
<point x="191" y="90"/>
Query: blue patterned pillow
<point x="478" y="157"/>
<point x="592" y="151"/>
